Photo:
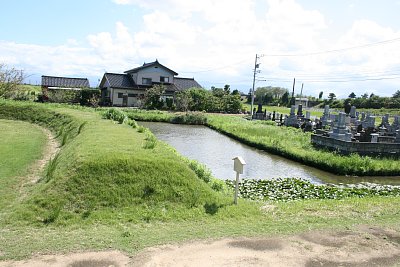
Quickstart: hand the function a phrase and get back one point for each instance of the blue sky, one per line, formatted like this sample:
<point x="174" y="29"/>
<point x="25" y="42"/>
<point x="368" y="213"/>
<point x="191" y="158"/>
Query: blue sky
<point x="213" y="41"/>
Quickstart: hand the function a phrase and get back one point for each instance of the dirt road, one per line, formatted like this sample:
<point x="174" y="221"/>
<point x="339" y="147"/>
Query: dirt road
<point x="367" y="246"/>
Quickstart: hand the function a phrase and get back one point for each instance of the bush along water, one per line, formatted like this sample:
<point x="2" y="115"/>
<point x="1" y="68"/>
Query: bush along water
<point x="115" y="115"/>
<point x="288" y="189"/>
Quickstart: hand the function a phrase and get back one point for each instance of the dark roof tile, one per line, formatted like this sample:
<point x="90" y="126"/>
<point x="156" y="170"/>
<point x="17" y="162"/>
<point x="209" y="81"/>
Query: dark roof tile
<point x="185" y="83"/>
<point x="119" y="80"/>
<point x="146" y="65"/>
<point x="52" y="81"/>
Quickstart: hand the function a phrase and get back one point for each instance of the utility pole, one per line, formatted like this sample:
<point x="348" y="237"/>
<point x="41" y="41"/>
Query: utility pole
<point x="301" y="92"/>
<point x="256" y="66"/>
<point x="292" y="100"/>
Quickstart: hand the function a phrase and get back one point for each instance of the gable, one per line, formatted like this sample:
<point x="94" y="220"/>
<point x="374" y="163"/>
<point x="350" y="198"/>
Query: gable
<point x="116" y="80"/>
<point x="152" y="66"/>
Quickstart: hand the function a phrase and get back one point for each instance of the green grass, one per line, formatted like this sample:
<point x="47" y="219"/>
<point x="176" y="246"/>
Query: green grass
<point x="21" y="144"/>
<point x="106" y="191"/>
<point x="246" y="219"/>
<point x="293" y="144"/>
<point x="107" y="166"/>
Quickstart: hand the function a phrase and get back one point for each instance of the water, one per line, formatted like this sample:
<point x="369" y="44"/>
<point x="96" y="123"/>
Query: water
<point x="216" y="151"/>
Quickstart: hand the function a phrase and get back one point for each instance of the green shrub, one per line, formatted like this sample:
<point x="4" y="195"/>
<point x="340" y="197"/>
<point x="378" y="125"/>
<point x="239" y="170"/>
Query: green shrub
<point x="190" y="118"/>
<point x="88" y="97"/>
<point x="115" y="115"/>
<point x="151" y="140"/>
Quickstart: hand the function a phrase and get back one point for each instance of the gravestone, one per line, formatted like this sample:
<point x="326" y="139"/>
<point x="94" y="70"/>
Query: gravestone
<point x="259" y="108"/>
<point x="362" y="116"/>
<point x="347" y="108"/>
<point x="385" y="120"/>
<point x="325" y="119"/>
<point x="340" y="130"/>
<point x="292" y="120"/>
<point x="397" y="140"/>
<point x="308" y="115"/>
<point x="374" y="138"/>
<point x="300" y="111"/>
<point x="352" y="112"/>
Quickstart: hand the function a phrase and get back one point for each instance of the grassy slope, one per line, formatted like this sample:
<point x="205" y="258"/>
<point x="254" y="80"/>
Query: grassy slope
<point x="104" y="166"/>
<point x="21" y="144"/>
<point x="145" y="220"/>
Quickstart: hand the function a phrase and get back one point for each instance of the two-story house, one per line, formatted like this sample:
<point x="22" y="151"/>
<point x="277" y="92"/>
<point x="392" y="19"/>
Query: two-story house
<point x="127" y="90"/>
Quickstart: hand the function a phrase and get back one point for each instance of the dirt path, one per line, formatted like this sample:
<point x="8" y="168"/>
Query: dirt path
<point x="367" y="246"/>
<point x="52" y="147"/>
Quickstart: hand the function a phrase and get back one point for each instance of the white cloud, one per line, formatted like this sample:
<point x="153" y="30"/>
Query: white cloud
<point x="193" y="36"/>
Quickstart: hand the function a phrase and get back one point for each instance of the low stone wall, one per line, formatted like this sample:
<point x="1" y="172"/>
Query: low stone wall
<point x="386" y="149"/>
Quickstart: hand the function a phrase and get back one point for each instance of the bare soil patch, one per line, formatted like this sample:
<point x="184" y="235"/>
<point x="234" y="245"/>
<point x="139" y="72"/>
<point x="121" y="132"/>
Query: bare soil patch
<point x="364" y="247"/>
<point x="36" y="169"/>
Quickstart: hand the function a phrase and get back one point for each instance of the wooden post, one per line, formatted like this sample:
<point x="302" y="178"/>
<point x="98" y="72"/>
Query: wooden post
<point x="238" y="164"/>
<point x="236" y="188"/>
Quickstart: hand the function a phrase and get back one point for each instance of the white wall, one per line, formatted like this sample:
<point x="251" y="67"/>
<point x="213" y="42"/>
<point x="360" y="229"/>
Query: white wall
<point x="154" y="73"/>
<point x="132" y="101"/>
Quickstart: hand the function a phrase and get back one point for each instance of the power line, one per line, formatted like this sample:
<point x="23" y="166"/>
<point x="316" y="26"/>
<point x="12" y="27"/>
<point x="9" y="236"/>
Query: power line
<point x="217" y="68"/>
<point x="334" y="50"/>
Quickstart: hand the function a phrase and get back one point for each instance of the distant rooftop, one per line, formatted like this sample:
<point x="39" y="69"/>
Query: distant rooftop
<point x="53" y="81"/>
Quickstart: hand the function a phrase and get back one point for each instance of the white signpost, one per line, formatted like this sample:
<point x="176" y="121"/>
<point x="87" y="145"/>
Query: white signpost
<point x="238" y="164"/>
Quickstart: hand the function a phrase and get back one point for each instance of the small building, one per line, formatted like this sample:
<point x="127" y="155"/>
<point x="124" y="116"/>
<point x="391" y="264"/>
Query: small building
<point x="63" y="83"/>
<point x="303" y="101"/>
<point x="52" y="84"/>
<point x="128" y="89"/>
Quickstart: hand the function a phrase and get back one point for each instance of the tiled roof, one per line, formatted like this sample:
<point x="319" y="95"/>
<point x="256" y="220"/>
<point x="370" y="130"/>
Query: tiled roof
<point x="146" y="65"/>
<point x="51" y="81"/>
<point x="119" y="80"/>
<point x="185" y="83"/>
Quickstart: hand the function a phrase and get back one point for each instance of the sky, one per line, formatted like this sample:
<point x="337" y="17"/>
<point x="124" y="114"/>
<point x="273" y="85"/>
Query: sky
<point x="333" y="46"/>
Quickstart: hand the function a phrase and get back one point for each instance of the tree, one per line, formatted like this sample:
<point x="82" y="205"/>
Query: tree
<point x="320" y="95"/>
<point x="352" y="95"/>
<point x="235" y="92"/>
<point x="396" y="94"/>
<point x="365" y="95"/>
<point x="152" y="97"/>
<point x="218" y="92"/>
<point x="227" y="89"/>
<point x="10" y="81"/>
<point x="331" y="96"/>
<point x="285" y="98"/>
<point x="183" y="100"/>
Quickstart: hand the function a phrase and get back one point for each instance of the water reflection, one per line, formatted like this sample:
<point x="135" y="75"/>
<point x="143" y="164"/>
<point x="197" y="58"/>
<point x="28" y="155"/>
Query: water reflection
<point x="216" y="151"/>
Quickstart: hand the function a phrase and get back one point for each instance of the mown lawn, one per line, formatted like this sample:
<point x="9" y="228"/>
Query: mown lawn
<point x="21" y="143"/>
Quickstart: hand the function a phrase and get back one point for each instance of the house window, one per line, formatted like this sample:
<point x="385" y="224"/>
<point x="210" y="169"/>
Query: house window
<point x="146" y="81"/>
<point x="120" y="95"/>
<point x="132" y="95"/>
<point x="164" y="79"/>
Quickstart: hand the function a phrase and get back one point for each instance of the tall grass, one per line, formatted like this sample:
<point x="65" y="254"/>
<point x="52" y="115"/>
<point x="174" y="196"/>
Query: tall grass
<point x="197" y="118"/>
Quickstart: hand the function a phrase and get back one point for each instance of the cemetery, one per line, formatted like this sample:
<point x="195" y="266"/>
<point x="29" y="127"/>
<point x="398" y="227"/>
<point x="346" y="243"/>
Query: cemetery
<point x="345" y="132"/>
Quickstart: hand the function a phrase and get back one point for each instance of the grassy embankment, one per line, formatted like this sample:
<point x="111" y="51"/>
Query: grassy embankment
<point x="106" y="191"/>
<point x="288" y="142"/>
<point x="21" y="144"/>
